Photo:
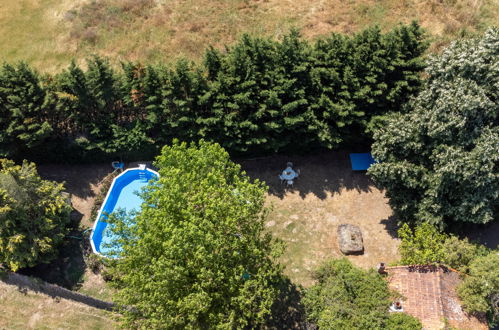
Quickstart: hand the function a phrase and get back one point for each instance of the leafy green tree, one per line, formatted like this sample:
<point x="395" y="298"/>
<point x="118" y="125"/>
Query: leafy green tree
<point x="425" y="244"/>
<point x="23" y="110"/>
<point x="480" y="291"/>
<point x="439" y="161"/>
<point x="197" y="255"/>
<point x="347" y="297"/>
<point x="421" y="246"/>
<point x="33" y="216"/>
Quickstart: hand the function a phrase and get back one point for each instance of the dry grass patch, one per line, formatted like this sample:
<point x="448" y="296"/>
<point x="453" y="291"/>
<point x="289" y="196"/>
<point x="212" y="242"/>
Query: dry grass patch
<point x="327" y="194"/>
<point x="32" y="30"/>
<point x="94" y="285"/>
<point x="48" y="33"/>
<point x="30" y="310"/>
<point x="309" y="228"/>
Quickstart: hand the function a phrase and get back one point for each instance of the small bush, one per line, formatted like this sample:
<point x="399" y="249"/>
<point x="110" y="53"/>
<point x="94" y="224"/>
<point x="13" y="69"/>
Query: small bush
<point x="90" y="35"/>
<point x="107" y="275"/>
<point x="34" y="216"/>
<point x="421" y="246"/>
<point x="99" y="199"/>
<point x="94" y="263"/>
<point x="402" y="321"/>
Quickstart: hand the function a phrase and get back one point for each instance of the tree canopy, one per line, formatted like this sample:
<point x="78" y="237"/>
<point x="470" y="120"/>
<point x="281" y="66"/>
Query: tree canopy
<point x="439" y="161"/>
<point x="33" y="216"/>
<point x="480" y="291"/>
<point x="347" y="297"/>
<point x="196" y="255"/>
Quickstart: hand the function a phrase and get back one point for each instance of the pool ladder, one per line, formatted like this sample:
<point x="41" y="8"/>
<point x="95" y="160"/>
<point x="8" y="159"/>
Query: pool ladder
<point x="142" y="176"/>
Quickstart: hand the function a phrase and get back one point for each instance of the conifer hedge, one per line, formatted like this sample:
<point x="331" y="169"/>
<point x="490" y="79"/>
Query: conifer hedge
<point x="257" y="96"/>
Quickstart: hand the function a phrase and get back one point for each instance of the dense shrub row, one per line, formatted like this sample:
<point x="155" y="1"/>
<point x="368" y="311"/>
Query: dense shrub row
<point x="257" y="96"/>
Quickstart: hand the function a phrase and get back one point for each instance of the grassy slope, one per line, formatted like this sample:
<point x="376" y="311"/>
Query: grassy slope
<point x="48" y="33"/>
<point x="37" y="311"/>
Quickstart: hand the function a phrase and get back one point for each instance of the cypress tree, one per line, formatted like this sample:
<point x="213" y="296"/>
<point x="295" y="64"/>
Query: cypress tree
<point x="76" y="96"/>
<point x="299" y="125"/>
<point x="184" y="103"/>
<point x="102" y="85"/>
<point x="334" y="85"/>
<point x="237" y="92"/>
<point x="23" y="107"/>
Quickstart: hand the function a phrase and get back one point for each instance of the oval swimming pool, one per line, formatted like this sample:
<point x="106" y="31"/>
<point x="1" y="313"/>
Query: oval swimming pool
<point x="123" y="194"/>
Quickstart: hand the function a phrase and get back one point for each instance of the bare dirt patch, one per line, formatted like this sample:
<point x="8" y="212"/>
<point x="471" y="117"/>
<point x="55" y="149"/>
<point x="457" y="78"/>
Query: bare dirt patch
<point x="83" y="182"/>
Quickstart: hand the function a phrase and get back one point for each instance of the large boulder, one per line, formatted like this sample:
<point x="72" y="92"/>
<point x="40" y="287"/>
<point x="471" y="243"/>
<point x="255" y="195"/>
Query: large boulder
<point x="350" y="239"/>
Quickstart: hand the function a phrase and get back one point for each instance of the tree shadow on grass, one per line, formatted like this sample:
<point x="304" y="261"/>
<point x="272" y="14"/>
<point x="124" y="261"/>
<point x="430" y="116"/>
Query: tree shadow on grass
<point x="486" y="234"/>
<point x="78" y="179"/>
<point x="321" y="174"/>
<point x="391" y="226"/>
<point x="288" y="311"/>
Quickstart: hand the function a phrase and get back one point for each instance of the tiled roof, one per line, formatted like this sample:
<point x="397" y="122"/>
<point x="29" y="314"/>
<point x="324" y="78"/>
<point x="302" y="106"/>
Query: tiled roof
<point x="429" y="294"/>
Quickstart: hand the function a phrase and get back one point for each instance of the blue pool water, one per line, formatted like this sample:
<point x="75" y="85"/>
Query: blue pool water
<point x="123" y="194"/>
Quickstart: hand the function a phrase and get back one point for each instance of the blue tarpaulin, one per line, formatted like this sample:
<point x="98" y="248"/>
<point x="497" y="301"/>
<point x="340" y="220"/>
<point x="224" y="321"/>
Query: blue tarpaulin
<point x="361" y="161"/>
